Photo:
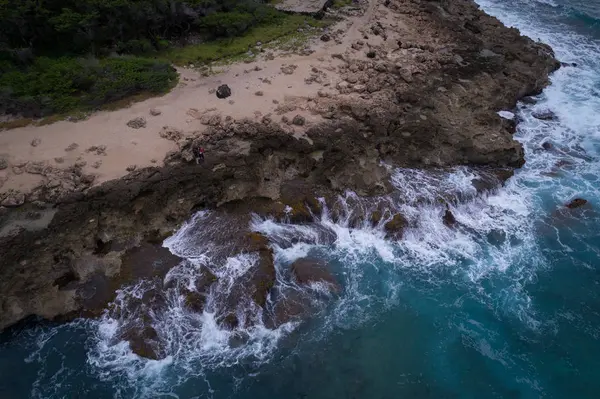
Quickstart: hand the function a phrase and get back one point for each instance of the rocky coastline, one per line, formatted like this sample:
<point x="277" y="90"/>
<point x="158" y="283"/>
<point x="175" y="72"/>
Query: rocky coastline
<point x="428" y="99"/>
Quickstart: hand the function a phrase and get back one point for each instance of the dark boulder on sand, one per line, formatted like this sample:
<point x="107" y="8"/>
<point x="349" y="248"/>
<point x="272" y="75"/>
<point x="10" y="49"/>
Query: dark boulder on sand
<point x="223" y="91"/>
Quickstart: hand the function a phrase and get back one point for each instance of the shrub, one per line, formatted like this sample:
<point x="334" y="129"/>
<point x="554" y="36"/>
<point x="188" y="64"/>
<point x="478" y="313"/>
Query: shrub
<point x="136" y="47"/>
<point x="58" y="85"/>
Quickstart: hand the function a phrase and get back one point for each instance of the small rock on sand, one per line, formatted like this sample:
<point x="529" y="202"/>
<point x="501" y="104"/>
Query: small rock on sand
<point x="259" y="93"/>
<point x="97" y="164"/>
<point x="137" y="123"/>
<point x="35" y="142"/>
<point x="170" y="133"/>
<point x="35" y="168"/>
<point x="155" y="112"/>
<point x="14" y="198"/>
<point x="288" y="69"/>
<point x="72" y="146"/>
<point x="223" y="91"/>
<point x="325" y="37"/>
<point x="131" y="168"/>
<point x="3" y="164"/>
<point x="299" y="120"/>
<point x="59" y="160"/>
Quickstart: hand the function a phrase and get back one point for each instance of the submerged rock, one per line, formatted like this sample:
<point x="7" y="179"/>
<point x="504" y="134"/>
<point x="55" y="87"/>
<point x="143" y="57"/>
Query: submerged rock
<point x="144" y="342"/>
<point x="311" y="270"/>
<point x="544" y="115"/>
<point x="448" y="218"/>
<point x="576" y="203"/>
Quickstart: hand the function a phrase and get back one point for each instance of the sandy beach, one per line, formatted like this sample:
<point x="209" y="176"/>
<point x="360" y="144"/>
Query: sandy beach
<point x="278" y="86"/>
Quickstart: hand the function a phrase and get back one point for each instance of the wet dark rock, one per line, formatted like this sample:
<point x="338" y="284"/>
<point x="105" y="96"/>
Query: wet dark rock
<point x="449" y="219"/>
<point x="576" y="203"/>
<point x="496" y="237"/>
<point x="563" y="163"/>
<point x="223" y="91"/>
<point x="256" y="242"/>
<point x="356" y="218"/>
<point x="325" y="37"/>
<point x="548" y="146"/>
<point x="312" y="270"/>
<point x="529" y="100"/>
<point x="371" y="54"/>
<point x="144" y="342"/>
<point x="230" y="321"/>
<point x="568" y="64"/>
<point x="289" y="305"/>
<point x="263" y="277"/>
<point x="147" y="260"/>
<point x="491" y="180"/>
<point x="544" y="115"/>
<point x="376" y="217"/>
<point x="194" y="301"/>
<point x="395" y="227"/>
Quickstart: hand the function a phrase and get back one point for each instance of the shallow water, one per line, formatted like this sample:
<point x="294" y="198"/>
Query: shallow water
<point x="506" y="305"/>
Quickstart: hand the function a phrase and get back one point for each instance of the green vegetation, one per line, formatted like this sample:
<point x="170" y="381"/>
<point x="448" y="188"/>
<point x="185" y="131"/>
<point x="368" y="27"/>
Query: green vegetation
<point x="284" y="28"/>
<point x="57" y="85"/>
<point x="57" y="56"/>
<point x="341" y="3"/>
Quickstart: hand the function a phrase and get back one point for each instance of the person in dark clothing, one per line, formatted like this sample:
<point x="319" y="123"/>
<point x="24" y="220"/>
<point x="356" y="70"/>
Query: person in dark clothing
<point x="199" y="154"/>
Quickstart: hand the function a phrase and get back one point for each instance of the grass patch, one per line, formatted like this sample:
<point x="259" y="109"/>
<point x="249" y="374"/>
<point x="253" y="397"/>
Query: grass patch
<point x="236" y="48"/>
<point x="129" y="101"/>
<point x="337" y="4"/>
<point x="50" y="120"/>
<point x="15" y="123"/>
<point x="77" y="114"/>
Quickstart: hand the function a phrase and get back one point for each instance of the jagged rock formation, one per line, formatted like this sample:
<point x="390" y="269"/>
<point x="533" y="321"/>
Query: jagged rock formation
<point x="430" y="103"/>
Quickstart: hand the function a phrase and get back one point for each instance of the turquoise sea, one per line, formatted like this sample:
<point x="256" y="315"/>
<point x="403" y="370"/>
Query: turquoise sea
<point x="505" y="306"/>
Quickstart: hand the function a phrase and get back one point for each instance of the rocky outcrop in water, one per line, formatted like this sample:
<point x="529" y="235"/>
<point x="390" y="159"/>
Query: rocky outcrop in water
<point x="435" y="104"/>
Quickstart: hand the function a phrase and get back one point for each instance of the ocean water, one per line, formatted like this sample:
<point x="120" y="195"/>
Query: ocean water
<point x="507" y="305"/>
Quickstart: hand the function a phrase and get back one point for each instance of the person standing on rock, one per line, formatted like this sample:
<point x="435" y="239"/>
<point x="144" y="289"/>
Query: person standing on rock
<point x="199" y="155"/>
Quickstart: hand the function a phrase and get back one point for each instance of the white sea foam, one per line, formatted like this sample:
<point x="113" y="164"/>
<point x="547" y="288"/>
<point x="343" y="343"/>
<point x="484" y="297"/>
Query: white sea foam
<point x="506" y="115"/>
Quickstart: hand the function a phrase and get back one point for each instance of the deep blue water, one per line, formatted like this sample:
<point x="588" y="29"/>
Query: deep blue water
<point x="506" y="306"/>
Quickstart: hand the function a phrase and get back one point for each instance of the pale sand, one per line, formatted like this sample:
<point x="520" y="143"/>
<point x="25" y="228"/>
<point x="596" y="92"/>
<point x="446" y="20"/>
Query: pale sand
<point x="181" y="109"/>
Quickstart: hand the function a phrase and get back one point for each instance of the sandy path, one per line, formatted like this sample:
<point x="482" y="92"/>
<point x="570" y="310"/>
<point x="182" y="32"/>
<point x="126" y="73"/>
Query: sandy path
<point x="183" y="109"/>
